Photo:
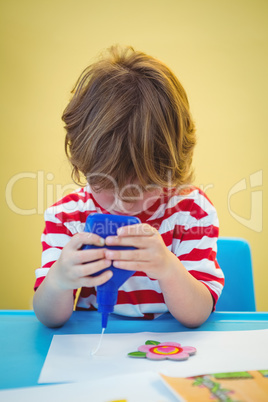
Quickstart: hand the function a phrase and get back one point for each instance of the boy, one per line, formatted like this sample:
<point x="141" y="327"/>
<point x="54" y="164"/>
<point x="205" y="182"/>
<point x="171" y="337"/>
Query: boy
<point x="131" y="135"/>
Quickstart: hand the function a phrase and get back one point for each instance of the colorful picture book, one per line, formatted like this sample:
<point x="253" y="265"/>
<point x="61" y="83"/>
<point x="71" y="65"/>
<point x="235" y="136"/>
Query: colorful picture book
<point x="247" y="386"/>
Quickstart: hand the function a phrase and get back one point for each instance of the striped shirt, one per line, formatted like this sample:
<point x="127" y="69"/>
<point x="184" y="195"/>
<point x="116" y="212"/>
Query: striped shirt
<point x="187" y="222"/>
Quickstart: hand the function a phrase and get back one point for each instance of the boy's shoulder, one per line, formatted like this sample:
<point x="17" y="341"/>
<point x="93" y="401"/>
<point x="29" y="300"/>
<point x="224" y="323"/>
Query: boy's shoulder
<point x="81" y="193"/>
<point x="191" y="200"/>
<point x="79" y="200"/>
<point x="190" y="193"/>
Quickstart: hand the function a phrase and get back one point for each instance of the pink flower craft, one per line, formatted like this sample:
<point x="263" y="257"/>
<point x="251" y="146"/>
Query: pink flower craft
<point x="167" y="350"/>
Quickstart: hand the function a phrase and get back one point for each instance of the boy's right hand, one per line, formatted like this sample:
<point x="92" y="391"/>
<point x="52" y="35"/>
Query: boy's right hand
<point x="73" y="268"/>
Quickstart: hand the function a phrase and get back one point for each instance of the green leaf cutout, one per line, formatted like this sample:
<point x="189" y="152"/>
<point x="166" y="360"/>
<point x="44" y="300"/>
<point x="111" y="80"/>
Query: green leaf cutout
<point x="137" y="354"/>
<point x="235" y="375"/>
<point x="264" y="372"/>
<point x="152" y="343"/>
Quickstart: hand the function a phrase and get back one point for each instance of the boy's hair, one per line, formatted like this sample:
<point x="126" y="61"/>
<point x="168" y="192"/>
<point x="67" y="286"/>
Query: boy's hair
<point x="129" y="119"/>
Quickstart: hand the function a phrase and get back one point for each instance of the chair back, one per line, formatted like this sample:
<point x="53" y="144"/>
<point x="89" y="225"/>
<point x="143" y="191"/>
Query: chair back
<point x="234" y="258"/>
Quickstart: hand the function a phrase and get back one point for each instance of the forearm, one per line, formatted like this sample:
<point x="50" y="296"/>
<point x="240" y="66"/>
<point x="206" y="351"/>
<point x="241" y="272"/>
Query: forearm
<point x="187" y="299"/>
<point x="53" y="300"/>
<point x="52" y="306"/>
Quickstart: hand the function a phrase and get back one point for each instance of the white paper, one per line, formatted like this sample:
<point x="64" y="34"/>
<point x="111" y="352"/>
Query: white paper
<point x="142" y="387"/>
<point x="69" y="356"/>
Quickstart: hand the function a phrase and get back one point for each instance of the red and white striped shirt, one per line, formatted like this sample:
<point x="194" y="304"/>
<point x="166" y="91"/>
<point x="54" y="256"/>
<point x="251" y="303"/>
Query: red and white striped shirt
<point x="187" y="222"/>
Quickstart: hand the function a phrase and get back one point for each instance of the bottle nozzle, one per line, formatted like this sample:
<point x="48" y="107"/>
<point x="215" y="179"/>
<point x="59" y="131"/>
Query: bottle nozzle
<point x="104" y="320"/>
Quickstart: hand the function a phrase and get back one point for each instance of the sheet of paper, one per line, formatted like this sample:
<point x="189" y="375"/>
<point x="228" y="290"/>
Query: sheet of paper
<point x="69" y="357"/>
<point x="142" y="387"/>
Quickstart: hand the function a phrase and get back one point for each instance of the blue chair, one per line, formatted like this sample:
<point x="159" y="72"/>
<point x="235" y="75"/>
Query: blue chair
<point x="234" y="258"/>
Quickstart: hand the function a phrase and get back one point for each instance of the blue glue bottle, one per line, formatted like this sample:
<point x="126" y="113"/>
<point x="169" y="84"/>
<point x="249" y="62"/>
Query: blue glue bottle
<point x="106" y="225"/>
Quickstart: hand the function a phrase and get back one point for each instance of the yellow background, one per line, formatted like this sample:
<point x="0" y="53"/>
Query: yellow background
<point x="218" y="50"/>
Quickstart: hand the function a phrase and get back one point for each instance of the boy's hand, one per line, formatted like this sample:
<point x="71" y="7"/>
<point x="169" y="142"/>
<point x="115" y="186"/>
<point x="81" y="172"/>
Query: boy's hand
<point x="151" y="255"/>
<point x="74" y="267"/>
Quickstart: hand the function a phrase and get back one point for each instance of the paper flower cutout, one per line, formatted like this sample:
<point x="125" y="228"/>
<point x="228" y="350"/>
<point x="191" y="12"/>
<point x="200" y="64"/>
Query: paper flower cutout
<point x="166" y="350"/>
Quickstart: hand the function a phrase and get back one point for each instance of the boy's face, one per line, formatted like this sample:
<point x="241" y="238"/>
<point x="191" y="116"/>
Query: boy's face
<point x="117" y="203"/>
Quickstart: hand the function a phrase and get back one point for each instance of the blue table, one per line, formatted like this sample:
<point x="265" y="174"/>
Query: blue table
<point x="25" y="341"/>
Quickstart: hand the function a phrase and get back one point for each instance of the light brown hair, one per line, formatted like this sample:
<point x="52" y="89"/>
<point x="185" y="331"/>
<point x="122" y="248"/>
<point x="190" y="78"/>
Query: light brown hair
<point x="129" y="119"/>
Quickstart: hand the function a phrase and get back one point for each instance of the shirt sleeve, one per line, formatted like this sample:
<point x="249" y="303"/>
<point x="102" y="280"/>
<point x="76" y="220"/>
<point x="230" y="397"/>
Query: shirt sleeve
<point x="197" y="248"/>
<point x="54" y="237"/>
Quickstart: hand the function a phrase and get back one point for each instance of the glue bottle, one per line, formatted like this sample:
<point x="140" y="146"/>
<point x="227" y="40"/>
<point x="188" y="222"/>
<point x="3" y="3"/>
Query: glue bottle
<point x="106" y="225"/>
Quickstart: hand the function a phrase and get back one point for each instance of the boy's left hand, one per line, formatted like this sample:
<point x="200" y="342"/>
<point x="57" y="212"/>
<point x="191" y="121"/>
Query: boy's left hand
<point x="150" y="256"/>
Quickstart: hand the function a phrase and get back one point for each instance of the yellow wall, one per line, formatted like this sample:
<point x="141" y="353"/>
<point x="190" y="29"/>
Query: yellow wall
<point x="219" y="52"/>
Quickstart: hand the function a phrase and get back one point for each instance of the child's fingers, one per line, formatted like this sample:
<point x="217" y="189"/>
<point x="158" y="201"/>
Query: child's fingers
<point x="91" y="268"/>
<point x="84" y="238"/>
<point x="140" y="229"/>
<point x="96" y="280"/>
<point x="128" y="255"/>
<point x="134" y="241"/>
<point x="130" y="265"/>
<point x="84" y="256"/>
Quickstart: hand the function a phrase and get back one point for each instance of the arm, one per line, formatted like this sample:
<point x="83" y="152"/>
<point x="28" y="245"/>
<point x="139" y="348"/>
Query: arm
<point x="188" y="300"/>
<point x="53" y="300"/>
<point x="181" y="289"/>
